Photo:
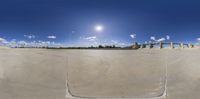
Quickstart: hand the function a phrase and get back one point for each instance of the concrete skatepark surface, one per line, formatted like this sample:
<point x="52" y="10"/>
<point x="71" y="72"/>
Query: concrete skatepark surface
<point x="106" y="73"/>
<point x="133" y="74"/>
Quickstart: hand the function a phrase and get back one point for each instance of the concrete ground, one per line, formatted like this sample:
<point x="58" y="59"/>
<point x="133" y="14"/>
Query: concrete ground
<point x="137" y="74"/>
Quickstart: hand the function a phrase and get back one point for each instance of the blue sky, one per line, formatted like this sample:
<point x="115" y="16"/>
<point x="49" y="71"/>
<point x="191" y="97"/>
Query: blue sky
<point x="73" y="22"/>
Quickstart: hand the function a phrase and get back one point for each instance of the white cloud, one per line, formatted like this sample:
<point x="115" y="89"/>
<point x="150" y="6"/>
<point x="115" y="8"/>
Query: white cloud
<point x="30" y="36"/>
<point x="198" y="41"/>
<point x="114" y="41"/>
<point x="121" y="44"/>
<point x="37" y="44"/>
<point x="167" y="37"/>
<point x="51" y="37"/>
<point x="94" y="41"/>
<point x="133" y="36"/>
<point x="157" y="40"/>
<point x="153" y="38"/>
<point x="3" y="41"/>
<point x="13" y="42"/>
<point x="161" y="39"/>
<point x="91" y="38"/>
<point x="22" y="42"/>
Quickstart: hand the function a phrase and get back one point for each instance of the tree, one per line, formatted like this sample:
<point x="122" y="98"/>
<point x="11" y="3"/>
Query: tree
<point x="100" y="46"/>
<point x="113" y="46"/>
<point x="151" y="45"/>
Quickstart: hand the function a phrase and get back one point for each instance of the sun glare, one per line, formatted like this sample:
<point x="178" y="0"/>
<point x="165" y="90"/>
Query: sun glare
<point x="99" y="28"/>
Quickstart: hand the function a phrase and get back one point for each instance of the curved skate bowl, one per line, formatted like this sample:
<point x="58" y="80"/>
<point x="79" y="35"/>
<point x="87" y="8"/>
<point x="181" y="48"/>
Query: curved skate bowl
<point x="116" y="74"/>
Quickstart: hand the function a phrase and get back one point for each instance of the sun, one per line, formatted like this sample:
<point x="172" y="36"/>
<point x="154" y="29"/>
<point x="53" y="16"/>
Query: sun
<point x="99" y="28"/>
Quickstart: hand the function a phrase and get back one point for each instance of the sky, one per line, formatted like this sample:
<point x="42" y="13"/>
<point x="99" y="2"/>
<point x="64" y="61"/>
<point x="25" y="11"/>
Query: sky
<point x="77" y="22"/>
